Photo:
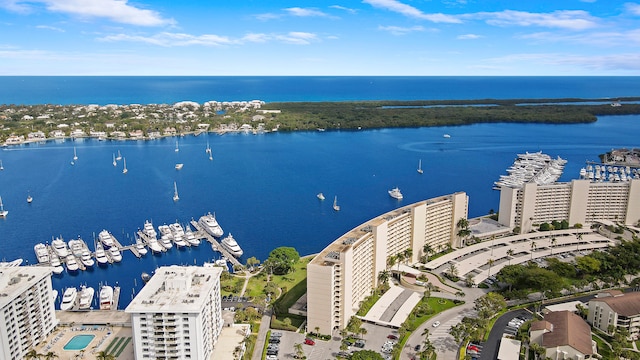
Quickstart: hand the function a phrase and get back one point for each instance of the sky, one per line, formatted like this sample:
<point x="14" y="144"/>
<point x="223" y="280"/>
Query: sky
<point x="343" y="37"/>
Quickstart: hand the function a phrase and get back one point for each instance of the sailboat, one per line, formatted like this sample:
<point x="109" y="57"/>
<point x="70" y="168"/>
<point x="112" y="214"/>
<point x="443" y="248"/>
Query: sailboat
<point x="119" y="157"/>
<point x="177" y="148"/>
<point x="3" y="212"/>
<point x="420" y="166"/>
<point x="114" y="160"/>
<point x="175" y="192"/>
<point x="320" y="196"/>
<point x="1" y="167"/>
<point x="336" y="207"/>
<point x="29" y="198"/>
<point x="208" y="151"/>
<point x="75" y="156"/>
<point x="124" y="171"/>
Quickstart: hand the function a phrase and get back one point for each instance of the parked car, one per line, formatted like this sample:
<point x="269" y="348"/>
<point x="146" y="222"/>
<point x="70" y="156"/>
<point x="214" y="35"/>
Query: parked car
<point x="417" y="348"/>
<point x="309" y="341"/>
<point x="359" y="344"/>
<point x="436" y="324"/>
<point x="392" y="337"/>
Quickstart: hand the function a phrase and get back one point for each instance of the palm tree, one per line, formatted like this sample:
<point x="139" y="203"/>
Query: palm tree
<point x="103" y="355"/>
<point x="51" y="355"/>
<point x="579" y="237"/>
<point x="453" y="270"/>
<point x="383" y="277"/>
<point x="427" y="249"/>
<point x="400" y="257"/>
<point x="510" y="253"/>
<point x="408" y="253"/>
<point x="362" y="331"/>
<point x="553" y="243"/>
<point x="490" y="262"/>
<point x="32" y="354"/>
<point x="298" y="348"/>
<point x="391" y="260"/>
<point x="533" y="248"/>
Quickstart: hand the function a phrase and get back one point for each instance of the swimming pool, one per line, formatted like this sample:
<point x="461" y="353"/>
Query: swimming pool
<point x="79" y="342"/>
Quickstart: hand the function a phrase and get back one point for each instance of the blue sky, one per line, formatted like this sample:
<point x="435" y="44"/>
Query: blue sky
<point x="367" y="37"/>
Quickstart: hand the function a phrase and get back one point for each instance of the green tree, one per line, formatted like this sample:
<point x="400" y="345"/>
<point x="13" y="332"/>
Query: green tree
<point x="538" y="350"/>
<point x="252" y="262"/>
<point x="510" y="253"/>
<point x="366" y="355"/>
<point x="103" y="355"/>
<point x="489" y="305"/>
<point x="553" y="243"/>
<point x="408" y="253"/>
<point x="490" y="263"/>
<point x="298" y="349"/>
<point x="383" y="277"/>
<point x="587" y="265"/>
<point x="51" y="355"/>
<point x="282" y="259"/>
<point x="453" y="270"/>
<point x="427" y="250"/>
<point x="32" y="354"/>
<point x="270" y="288"/>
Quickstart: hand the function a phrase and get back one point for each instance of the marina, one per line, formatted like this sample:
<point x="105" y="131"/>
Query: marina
<point x="529" y="167"/>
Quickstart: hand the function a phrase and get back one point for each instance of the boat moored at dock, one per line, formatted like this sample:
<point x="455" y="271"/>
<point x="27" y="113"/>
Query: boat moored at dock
<point x="101" y="255"/>
<point x="69" y="298"/>
<point x="106" y="297"/>
<point x="42" y="253"/>
<point x="211" y="225"/>
<point x="86" y="297"/>
<point x="60" y="247"/>
<point x="230" y="244"/>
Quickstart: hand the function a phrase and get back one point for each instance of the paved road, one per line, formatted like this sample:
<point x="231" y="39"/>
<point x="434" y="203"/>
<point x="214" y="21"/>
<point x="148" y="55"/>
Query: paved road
<point x="265" y="324"/>
<point x="490" y="348"/>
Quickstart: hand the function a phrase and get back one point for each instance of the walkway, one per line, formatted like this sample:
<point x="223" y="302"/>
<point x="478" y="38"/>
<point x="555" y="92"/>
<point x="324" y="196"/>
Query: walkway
<point x="265" y="324"/>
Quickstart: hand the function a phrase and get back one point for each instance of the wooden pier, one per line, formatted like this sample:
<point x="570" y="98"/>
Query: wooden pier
<point x="145" y="238"/>
<point x="201" y="234"/>
<point x="116" y="298"/>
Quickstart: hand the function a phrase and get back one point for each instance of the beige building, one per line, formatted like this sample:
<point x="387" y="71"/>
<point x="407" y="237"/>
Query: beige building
<point x="342" y="275"/>
<point x="578" y="201"/>
<point x="622" y="310"/>
<point x="564" y="335"/>
<point x="177" y="314"/>
<point x="27" y="314"/>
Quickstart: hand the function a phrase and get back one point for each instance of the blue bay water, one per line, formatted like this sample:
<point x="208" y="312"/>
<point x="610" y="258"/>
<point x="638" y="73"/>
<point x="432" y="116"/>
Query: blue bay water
<point x="262" y="187"/>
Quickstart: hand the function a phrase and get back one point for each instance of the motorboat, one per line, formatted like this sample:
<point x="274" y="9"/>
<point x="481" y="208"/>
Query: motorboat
<point x="42" y="253"/>
<point x="395" y="193"/>
<point x="149" y="230"/>
<point x="420" y="171"/>
<point x="191" y="238"/>
<point x="72" y="263"/>
<point x="86" y="297"/>
<point x="179" y="166"/>
<point x="320" y="196"/>
<point x="124" y="169"/>
<point x="29" y="198"/>
<point x="13" y="263"/>
<point x="69" y="298"/>
<point x="446" y="136"/>
<point x="55" y="264"/>
<point x="119" y="157"/>
<point x="230" y="244"/>
<point x="101" y="255"/>
<point x="142" y="250"/>
<point x="60" y="247"/>
<point x="155" y="247"/>
<point x="176" y="229"/>
<point x="115" y="254"/>
<point x="106" y="239"/>
<point x="336" y="207"/>
<point x="76" y="246"/>
<point x="179" y="241"/>
<point x="165" y="241"/>
<point x="106" y="297"/>
<point x="210" y="225"/>
<point x="86" y="258"/>
<point x="176" y="197"/>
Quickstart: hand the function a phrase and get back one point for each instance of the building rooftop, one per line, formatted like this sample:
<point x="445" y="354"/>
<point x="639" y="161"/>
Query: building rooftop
<point x="627" y="304"/>
<point x="565" y="329"/>
<point x="16" y="280"/>
<point x="176" y="289"/>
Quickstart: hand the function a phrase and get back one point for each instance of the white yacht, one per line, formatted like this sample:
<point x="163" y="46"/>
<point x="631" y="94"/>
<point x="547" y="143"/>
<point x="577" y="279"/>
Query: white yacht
<point x="142" y="250"/>
<point x="86" y="258"/>
<point x="336" y="207"/>
<point x="149" y="230"/>
<point x="165" y="241"/>
<point x="76" y="247"/>
<point x="230" y="244"/>
<point x="60" y="247"/>
<point x="176" y="197"/>
<point x="86" y="297"/>
<point x="210" y="225"/>
<point x="115" y="254"/>
<point x="72" y="264"/>
<point x="179" y="166"/>
<point x="320" y="196"/>
<point x="395" y="193"/>
<point x="176" y="229"/>
<point x="55" y="263"/>
<point x="42" y="253"/>
<point x="106" y="297"/>
<point x="101" y="255"/>
<point x="179" y="240"/>
<point x="106" y="239"/>
<point x="69" y="298"/>
<point x="191" y="238"/>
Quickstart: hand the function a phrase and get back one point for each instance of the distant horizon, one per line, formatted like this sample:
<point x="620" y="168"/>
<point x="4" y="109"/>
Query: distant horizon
<point x="318" y="76"/>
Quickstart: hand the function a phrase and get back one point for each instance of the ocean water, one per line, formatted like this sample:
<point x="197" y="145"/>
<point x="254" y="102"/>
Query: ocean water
<point x="263" y="188"/>
<point x="166" y="89"/>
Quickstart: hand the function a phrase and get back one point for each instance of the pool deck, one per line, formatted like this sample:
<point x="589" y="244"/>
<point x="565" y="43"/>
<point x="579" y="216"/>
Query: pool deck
<point x="111" y="332"/>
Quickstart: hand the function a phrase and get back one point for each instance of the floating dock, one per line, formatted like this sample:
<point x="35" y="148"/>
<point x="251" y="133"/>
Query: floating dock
<point x="204" y="235"/>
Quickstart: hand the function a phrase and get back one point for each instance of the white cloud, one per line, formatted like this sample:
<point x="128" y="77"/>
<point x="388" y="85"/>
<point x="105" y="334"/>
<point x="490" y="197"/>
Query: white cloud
<point x="632" y="8"/>
<point x="167" y="39"/>
<point x="468" y="37"/>
<point x="611" y="62"/>
<point x="564" y="19"/>
<point x="304" y="12"/>
<point x="602" y="39"/>
<point x="115" y="10"/>
<point x="349" y="10"/>
<point x="47" y="27"/>
<point x="398" y="30"/>
<point x="267" y="16"/>
<point x="410" y="11"/>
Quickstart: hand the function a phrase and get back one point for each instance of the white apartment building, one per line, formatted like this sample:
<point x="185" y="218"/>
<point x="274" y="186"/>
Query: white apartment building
<point x="177" y="314"/>
<point x="617" y="309"/>
<point x="578" y="201"/>
<point x="27" y="314"/>
<point x="342" y="275"/>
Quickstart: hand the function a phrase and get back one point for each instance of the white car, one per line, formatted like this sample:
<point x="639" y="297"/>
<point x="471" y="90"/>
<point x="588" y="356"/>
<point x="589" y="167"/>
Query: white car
<point x="436" y="324"/>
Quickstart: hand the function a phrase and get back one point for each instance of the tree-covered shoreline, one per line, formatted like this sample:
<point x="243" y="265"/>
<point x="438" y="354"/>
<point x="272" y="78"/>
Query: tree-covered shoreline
<point x="154" y="120"/>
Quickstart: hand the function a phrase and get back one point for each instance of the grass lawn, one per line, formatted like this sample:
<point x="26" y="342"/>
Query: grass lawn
<point x="231" y="286"/>
<point x="603" y="348"/>
<point x="286" y="282"/>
